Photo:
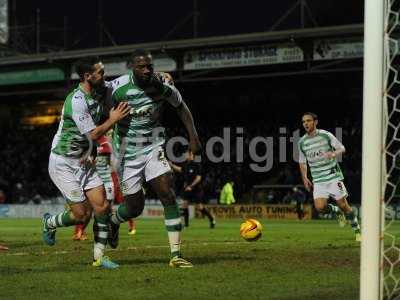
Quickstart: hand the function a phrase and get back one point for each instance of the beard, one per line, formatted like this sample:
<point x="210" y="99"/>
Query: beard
<point x="99" y="92"/>
<point x="97" y="84"/>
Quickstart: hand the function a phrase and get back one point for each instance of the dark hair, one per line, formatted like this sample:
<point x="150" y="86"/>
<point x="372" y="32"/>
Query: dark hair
<point x="314" y="116"/>
<point x="86" y="65"/>
<point x="137" y="53"/>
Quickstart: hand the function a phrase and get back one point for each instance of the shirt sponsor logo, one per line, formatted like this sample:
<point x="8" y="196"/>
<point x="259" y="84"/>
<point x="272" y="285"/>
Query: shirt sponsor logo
<point x="142" y="113"/>
<point x="132" y="92"/>
<point x="313" y="154"/>
<point x="84" y="118"/>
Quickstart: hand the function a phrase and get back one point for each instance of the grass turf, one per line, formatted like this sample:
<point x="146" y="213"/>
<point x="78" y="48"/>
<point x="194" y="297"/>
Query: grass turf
<point x="293" y="260"/>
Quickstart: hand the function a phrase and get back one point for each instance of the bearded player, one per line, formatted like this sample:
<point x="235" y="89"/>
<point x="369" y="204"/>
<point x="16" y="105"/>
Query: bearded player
<point x="319" y="149"/>
<point x="138" y="142"/>
<point x="70" y="167"/>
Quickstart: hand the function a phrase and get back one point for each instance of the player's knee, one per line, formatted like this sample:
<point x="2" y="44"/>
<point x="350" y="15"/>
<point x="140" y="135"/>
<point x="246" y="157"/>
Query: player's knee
<point x="344" y="206"/>
<point x="103" y="208"/>
<point x="135" y="205"/>
<point x="320" y="207"/>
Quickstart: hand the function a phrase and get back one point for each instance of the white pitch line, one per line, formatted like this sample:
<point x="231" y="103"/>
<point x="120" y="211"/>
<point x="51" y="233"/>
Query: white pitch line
<point x="18" y="253"/>
<point x="128" y="248"/>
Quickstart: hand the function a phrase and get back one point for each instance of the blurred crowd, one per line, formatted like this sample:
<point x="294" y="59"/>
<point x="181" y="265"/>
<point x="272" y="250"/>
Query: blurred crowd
<point x="25" y="150"/>
<point x="24" y="155"/>
<point x="275" y="115"/>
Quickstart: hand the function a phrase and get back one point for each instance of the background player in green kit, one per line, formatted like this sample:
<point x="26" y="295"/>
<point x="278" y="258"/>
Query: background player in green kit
<point x="69" y="167"/>
<point x="320" y="148"/>
<point x="138" y="142"/>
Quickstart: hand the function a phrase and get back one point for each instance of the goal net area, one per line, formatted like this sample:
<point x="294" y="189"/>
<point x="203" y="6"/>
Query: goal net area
<point x="391" y="155"/>
<point x="380" y="250"/>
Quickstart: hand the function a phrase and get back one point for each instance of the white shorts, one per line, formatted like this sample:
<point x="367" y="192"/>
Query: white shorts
<point x="71" y="178"/>
<point x="145" y="167"/>
<point x="109" y="187"/>
<point x="334" y="189"/>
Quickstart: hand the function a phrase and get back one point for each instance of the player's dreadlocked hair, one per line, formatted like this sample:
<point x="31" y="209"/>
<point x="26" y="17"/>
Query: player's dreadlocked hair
<point x="86" y="65"/>
<point x="314" y="116"/>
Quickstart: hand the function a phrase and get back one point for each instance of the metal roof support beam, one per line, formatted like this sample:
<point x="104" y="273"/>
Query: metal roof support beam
<point x="219" y="41"/>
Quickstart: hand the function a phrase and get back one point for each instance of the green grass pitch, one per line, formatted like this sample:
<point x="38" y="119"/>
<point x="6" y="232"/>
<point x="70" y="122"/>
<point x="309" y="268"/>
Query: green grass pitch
<point x="293" y="260"/>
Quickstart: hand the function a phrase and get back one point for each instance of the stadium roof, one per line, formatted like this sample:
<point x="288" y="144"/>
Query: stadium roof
<point x="286" y="35"/>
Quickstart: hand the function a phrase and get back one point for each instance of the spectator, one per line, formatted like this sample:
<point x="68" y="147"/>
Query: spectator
<point x="288" y="198"/>
<point x="271" y="197"/>
<point x="227" y="196"/>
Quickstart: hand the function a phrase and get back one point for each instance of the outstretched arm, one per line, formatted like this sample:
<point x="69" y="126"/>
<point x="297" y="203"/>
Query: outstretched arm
<point x="175" y="167"/>
<point x="86" y="126"/>
<point x="187" y="119"/>
<point x="164" y="87"/>
<point x="116" y="114"/>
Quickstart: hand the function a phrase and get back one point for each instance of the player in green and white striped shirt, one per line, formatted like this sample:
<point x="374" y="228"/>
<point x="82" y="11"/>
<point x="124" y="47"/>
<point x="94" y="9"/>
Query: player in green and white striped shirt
<point x="319" y="149"/>
<point x="138" y="142"/>
<point x="69" y="167"/>
<point x="103" y="168"/>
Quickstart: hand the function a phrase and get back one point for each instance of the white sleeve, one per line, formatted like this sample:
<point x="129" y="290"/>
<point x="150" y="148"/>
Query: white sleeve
<point x="81" y="115"/>
<point x="336" y="144"/>
<point x="109" y="100"/>
<point x="112" y="85"/>
<point x="175" y="99"/>
<point x="302" y="157"/>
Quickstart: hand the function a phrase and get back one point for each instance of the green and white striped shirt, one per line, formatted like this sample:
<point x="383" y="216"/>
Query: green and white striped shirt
<point x="311" y="151"/>
<point x="140" y="132"/>
<point x="80" y="113"/>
